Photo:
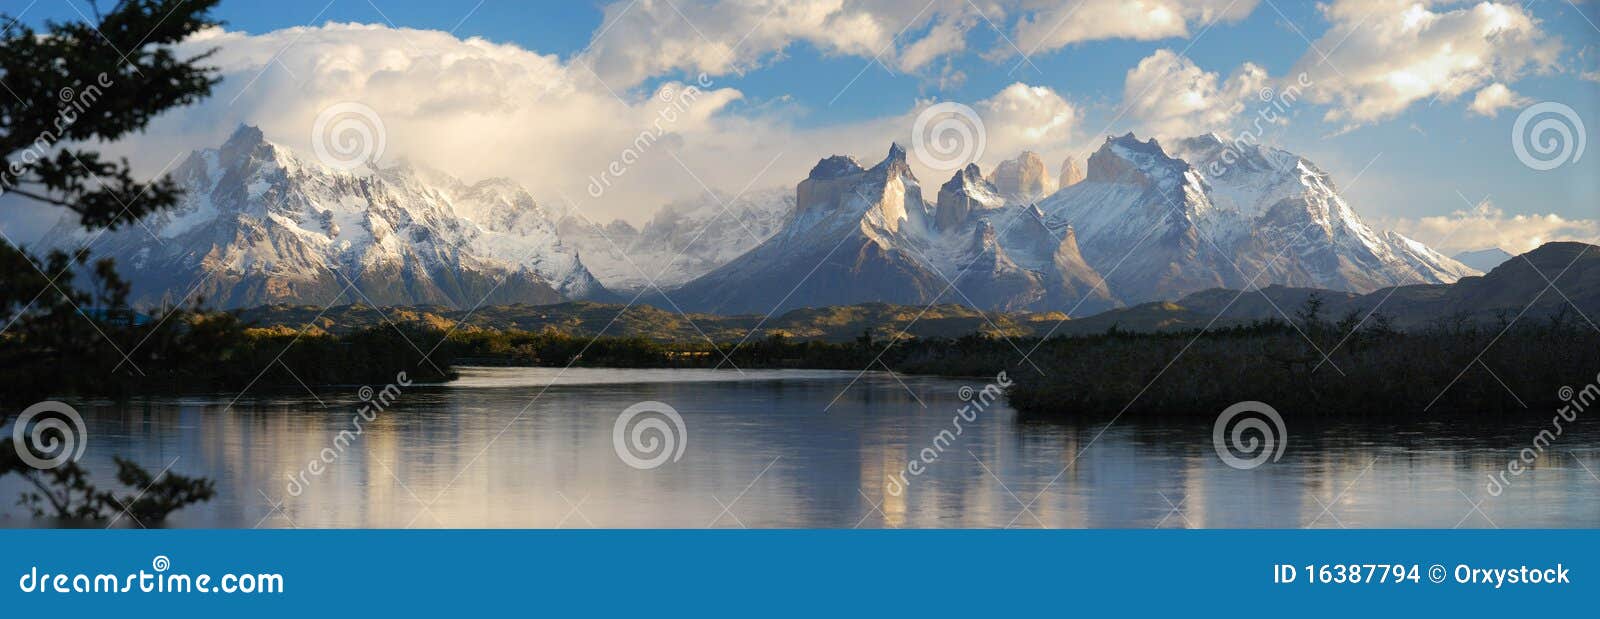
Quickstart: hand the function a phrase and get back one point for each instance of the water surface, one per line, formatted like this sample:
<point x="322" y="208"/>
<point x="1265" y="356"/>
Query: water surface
<point x="533" y="447"/>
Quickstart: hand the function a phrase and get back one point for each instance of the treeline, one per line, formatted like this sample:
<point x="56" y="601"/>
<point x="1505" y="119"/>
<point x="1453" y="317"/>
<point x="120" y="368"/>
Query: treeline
<point x="970" y="355"/>
<point x="1313" y="367"/>
<point x="1310" y="365"/>
<point x="83" y="339"/>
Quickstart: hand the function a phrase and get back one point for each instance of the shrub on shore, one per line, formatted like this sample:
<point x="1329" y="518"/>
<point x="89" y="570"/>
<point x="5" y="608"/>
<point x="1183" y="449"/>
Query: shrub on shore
<point x="1455" y="368"/>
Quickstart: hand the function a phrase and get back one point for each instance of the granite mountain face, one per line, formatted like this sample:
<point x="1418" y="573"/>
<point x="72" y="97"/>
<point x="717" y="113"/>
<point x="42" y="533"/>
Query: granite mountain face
<point x="1139" y="221"/>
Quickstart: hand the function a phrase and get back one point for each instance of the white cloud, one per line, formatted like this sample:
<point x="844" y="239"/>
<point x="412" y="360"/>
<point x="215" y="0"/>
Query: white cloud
<point x="467" y="106"/>
<point x="1488" y="226"/>
<point x="1019" y="117"/>
<point x="1023" y="117"/>
<point x="477" y="109"/>
<point x="640" y="40"/>
<point x="1169" y="95"/>
<point x="1050" y="24"/>
<point x="948" y="36"/>
<point x="1383" y="56"/>
<point x="1495" y="97"/>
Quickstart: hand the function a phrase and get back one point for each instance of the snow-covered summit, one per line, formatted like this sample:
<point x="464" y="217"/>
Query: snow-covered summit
<point x="1141" y="220"/>
<point x="259" y="223"/>
<point x="1158" y="220"/>
<point x="861" y="235"/>
<point x="1205" y="212"/>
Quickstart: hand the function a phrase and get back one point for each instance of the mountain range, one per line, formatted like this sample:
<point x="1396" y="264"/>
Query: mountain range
<point x="1141" y="221"/>
<point x="1551" y="280"/>
<point x="684" y="239"/>
<point x="1204" y="213"/>
<point x="260" y="224"/>
<point x="870" y="235"/>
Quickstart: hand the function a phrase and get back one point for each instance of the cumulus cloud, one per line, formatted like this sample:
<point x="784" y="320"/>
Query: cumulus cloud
<point x="1048" y="24"/>
<point x="948" y="36"/>
<point x="1020" y="117"/>
<point x="1024" y="117"/>
<point x="480" y="109"/>
<point x="1380" y="57"/>
<point x="467" y="106"/>
<point x="1495" y="97"/>
<point x="640" y="40"/>
<point x="477" y="109"/>
<point x="645" y="39"/>
<point x="1169" y="95"/>
<point x="1488" y="226"/>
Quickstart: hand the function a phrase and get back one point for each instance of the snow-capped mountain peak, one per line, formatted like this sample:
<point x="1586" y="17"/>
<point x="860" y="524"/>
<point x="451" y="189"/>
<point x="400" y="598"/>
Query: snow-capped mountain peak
<point x="863" y="235"/>
<point x="835" y="167"/>
<point x="259" y="223"/>
<point x="1211" y="213"/>
<point x="1126" y="160"/>
<point x="963" y="194"/>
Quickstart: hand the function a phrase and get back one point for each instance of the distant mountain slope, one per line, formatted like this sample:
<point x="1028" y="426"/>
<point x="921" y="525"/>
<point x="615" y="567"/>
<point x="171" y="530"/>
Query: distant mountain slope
<point x="1517" y="287"/>
<point x="1501" y="294"/>
<point x="682" y="241"/>
<point x="1483" y="259"/>
<point x="259" y="224"/>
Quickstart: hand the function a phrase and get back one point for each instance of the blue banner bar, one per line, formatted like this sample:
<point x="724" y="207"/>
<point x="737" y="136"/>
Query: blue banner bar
<point x="794" y="573"/>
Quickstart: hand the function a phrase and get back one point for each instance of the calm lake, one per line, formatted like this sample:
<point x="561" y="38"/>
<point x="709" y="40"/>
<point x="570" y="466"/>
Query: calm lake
<point x="518" y="447"/>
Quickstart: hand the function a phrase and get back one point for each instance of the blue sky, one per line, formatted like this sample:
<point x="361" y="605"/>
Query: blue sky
<point x="817" y="87"/>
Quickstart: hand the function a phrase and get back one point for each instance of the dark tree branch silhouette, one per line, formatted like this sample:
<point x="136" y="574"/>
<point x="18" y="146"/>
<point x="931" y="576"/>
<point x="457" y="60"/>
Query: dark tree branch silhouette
<point x="85" y="82"/>
<point x="67" y="87"/>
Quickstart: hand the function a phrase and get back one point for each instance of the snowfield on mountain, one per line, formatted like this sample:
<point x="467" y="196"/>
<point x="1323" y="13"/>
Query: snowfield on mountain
<point x="1140" y="221"/>
<point x="260" y="224"/>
